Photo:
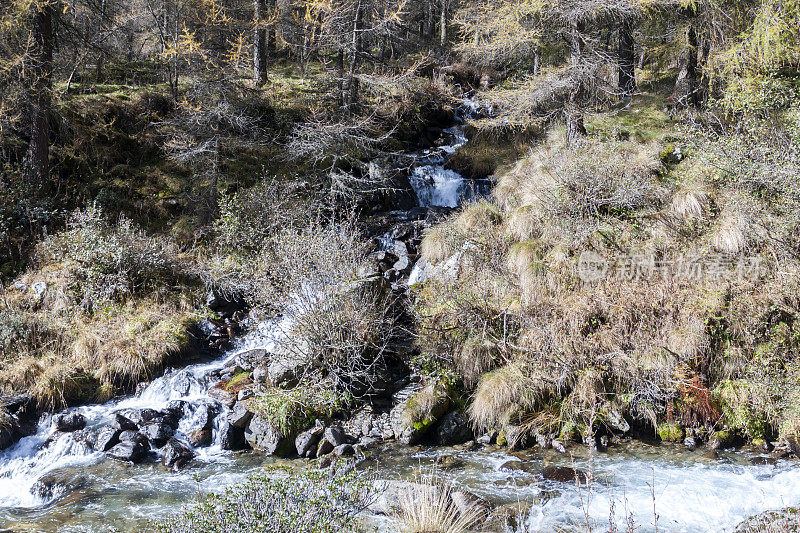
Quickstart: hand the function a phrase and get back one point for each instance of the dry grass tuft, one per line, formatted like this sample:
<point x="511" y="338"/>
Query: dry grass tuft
<point x="690" y="203"/>
<point x="477" y="356"/>
<point x="428" y="507"/>
<point x="729" y="234"/>
<point x="438" y="244"/>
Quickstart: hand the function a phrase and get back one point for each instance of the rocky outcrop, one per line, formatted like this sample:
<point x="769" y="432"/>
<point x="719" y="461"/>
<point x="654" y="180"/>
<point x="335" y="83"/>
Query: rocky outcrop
<point x="452" y="429"/>
<point x="410" y="421"/>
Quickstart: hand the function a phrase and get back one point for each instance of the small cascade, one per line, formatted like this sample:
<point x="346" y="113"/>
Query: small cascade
<point x="48" y="450"/>
<point x="435" y="185"/>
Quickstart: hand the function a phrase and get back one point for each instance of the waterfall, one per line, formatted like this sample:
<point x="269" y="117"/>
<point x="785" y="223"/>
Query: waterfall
<point x="435" y="185"/>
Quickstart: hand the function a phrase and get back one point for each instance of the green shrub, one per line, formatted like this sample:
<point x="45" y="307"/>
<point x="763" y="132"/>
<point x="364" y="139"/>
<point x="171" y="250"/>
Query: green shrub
<point x="111" y="262"/>
<point x="291" y="411"/>
<point x="281" y="500"/>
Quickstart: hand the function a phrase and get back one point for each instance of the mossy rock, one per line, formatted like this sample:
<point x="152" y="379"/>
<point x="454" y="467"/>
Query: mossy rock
<point x="671" y="432"/>
<point x="723" y="439"/>
<point x="737" y="398"/>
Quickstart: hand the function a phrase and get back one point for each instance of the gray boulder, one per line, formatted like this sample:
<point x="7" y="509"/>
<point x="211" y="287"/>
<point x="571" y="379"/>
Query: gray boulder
<point x="158" y="433"/>
<point x="306" y="442"/>
<point x="232" y="437"/>
<point x="132" y="451"/>
<point x="260" y="435"/>
<point x="107" y="438"/>
<point x="240" y="415"/>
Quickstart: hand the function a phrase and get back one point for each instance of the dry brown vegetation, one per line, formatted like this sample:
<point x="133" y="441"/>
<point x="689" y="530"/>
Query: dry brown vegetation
<point x="540" y="349"/>
<point x="105" y="307"/>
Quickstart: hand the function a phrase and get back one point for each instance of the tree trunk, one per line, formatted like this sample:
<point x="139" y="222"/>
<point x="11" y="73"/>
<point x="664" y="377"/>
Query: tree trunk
<point x="352" y="79"/>
<point x="272" y="36"/>
<point x="37" y="165"/>
<point x="687" y="86"/>
<point x="627" y="60"/>
<point x="573" y="111"/>
<point x="443" y="24"/>
<point x="259" y="45"/>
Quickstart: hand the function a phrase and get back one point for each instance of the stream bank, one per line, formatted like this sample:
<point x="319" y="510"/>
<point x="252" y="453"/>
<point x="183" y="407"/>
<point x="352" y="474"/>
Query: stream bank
<point x="184" y="433"/>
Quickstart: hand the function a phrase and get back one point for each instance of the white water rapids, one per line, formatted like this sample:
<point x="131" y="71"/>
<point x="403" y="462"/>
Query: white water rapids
<point x="47" y="450"/>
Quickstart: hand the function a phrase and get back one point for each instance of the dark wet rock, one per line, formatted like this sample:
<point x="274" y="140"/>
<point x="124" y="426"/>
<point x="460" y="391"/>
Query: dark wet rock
<point x="12" y="429"/>
<point x="453" y="428"/>
<point x="344" y="450"/>
<point x="564" y="474"/>
<point x="123" y="423"/>
<point x="307" y="441"/>
<point x="58" y="482"/>
<point x="240" y="415"/>
<point x="324" y="448"/>
<point x="158" y="433"/>
<point x="134" y="436"/>
<point x="106" y="438"/>
<point x="173" y="413"/>
<point x="763" y="461"/>
<point x="232" y="437"/>
<point x="130" y="451"/>
<point x="200" y="438"/>
<point x="141" y="416"/>
<point x="510" y="517"/>
<point x="69" y="421"/>
<point x="225" y="305"/>
<point x="261" y="435"/>
<point x="710" y="455"/>
<point x="223" y="396"/>
<point x="176" y="454"/>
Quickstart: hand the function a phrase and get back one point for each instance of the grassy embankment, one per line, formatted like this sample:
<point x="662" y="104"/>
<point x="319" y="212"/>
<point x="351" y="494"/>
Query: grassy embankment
<point x="540" y="351"/>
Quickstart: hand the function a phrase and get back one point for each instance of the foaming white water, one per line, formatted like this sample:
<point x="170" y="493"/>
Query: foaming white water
<point x="437" y="187"/>
<point x="47" y="450"/>
<point x="684" y="497"/>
